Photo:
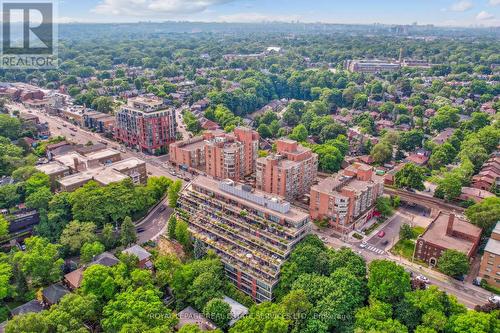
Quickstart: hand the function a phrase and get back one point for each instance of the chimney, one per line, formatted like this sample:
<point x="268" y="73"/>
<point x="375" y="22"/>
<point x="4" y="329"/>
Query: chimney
<point x="75" y="163"/>
<point x="449" y="228"/>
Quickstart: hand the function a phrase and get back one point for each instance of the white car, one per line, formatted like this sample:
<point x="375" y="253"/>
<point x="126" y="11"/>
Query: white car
<point x="494" y="299"/>
<point x="423" y="278"/>
<point x="363" y="245"/>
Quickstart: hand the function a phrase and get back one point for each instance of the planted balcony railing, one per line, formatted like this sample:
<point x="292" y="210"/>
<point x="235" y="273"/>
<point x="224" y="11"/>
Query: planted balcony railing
<point x="237" y="259"/>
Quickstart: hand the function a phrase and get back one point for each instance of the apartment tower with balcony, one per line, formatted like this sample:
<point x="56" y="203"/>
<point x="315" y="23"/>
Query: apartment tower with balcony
<point x="290" y="172"/>
<point x="219" y="154"/>
<point x="346" y="199"/>
<point x="252" y="232"/>
<point x="147" y="124"/>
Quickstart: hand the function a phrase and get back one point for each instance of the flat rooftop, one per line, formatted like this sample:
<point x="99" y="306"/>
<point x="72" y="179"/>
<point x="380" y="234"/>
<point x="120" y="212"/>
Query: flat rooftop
<point x="127" y="163"/>
<point x="191" y="144"/>
<point x="108" y="152"/>
<point x="52" y="168"/>
<point x="293" y="214"/>
<point x="103" y="175"/>
<point x="68" y="159"/>
<point x="436" y="233"/>
<point x="151" y="101"/>
<point x="493" y="246"/>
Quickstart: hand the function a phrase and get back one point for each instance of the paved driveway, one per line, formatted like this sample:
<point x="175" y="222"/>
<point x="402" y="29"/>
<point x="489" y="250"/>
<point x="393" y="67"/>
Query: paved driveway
<point x="391" y="230"/>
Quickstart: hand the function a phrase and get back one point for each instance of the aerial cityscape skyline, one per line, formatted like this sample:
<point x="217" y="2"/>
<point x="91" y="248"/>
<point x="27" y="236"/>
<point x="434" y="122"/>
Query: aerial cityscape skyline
<point x="464" y="13"/>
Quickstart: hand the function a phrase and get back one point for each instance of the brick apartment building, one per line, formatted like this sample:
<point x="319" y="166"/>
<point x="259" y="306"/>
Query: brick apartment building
<point x="146" y="124"/>
<point x="252" y="232"/>
<point x="219" y="154"/>
<point x="232" y="155"/>
<point x="290" y="172"/>
<point x="224" y="158"/>
<point x="490" y="262"/>
<point x="447" y="232"/>
<point x="346" y="199"/>
<point x="189" y="154"/>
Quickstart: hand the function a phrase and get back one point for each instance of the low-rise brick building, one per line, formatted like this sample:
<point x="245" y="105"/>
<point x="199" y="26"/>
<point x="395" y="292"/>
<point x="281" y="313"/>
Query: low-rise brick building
<point x="447" y="232"/>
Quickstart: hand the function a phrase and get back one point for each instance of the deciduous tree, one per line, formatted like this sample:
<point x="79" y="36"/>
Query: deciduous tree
<point x="219" y="312"/>
<point x="453" y="263"/>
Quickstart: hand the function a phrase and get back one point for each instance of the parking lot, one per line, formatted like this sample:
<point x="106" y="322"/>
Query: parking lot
<point x="390" y="233"/>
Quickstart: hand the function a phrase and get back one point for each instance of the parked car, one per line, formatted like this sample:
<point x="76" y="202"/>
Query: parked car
<point x="423" y="278"/>
<point x="459" y="278"/>
<point x="494" y="299"/>
<point x="381" y="233"/>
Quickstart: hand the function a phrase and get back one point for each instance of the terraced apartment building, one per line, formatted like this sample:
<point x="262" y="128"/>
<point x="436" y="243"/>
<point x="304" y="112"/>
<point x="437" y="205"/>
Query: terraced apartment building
<point x="251" y="231"/>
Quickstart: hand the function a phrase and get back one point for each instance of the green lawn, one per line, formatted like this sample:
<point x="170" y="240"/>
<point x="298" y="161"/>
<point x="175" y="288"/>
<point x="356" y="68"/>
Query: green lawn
<point x="417" y="231"/>
<point x="404" y="248"/>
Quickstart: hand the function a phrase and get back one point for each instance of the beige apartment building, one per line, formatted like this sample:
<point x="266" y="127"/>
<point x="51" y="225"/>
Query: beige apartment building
<point x="346" y="199"/>
<point x="290" y="172"/>
<point x="490" y="262"/>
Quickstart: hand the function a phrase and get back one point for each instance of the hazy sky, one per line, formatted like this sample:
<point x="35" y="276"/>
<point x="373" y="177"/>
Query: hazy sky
<point x="438" y="12"/>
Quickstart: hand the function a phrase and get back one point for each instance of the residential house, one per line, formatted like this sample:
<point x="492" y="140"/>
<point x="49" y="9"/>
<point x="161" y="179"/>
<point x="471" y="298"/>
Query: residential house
<point x="141" y="254"/>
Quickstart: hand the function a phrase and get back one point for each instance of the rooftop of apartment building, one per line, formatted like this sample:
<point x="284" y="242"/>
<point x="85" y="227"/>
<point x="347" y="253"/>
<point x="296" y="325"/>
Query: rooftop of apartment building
<point x="288" y="153"/>
<point x="228" y="142"/>
<point x="195" y="143"/>
<point x="438" y="232"/>
<point x="255" y="199"/>
<point x="145" y="103"/>
<point x="348" y="179"/>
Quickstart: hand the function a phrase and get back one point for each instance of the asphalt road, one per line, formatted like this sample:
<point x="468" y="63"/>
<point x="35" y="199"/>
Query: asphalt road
<point x="155" y="224"/>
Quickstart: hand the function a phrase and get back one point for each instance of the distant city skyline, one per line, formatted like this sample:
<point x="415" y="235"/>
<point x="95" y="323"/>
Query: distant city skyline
<point x="437" y="12"/>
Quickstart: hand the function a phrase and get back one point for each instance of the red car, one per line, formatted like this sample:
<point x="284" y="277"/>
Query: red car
<point x="381" y="233"/>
